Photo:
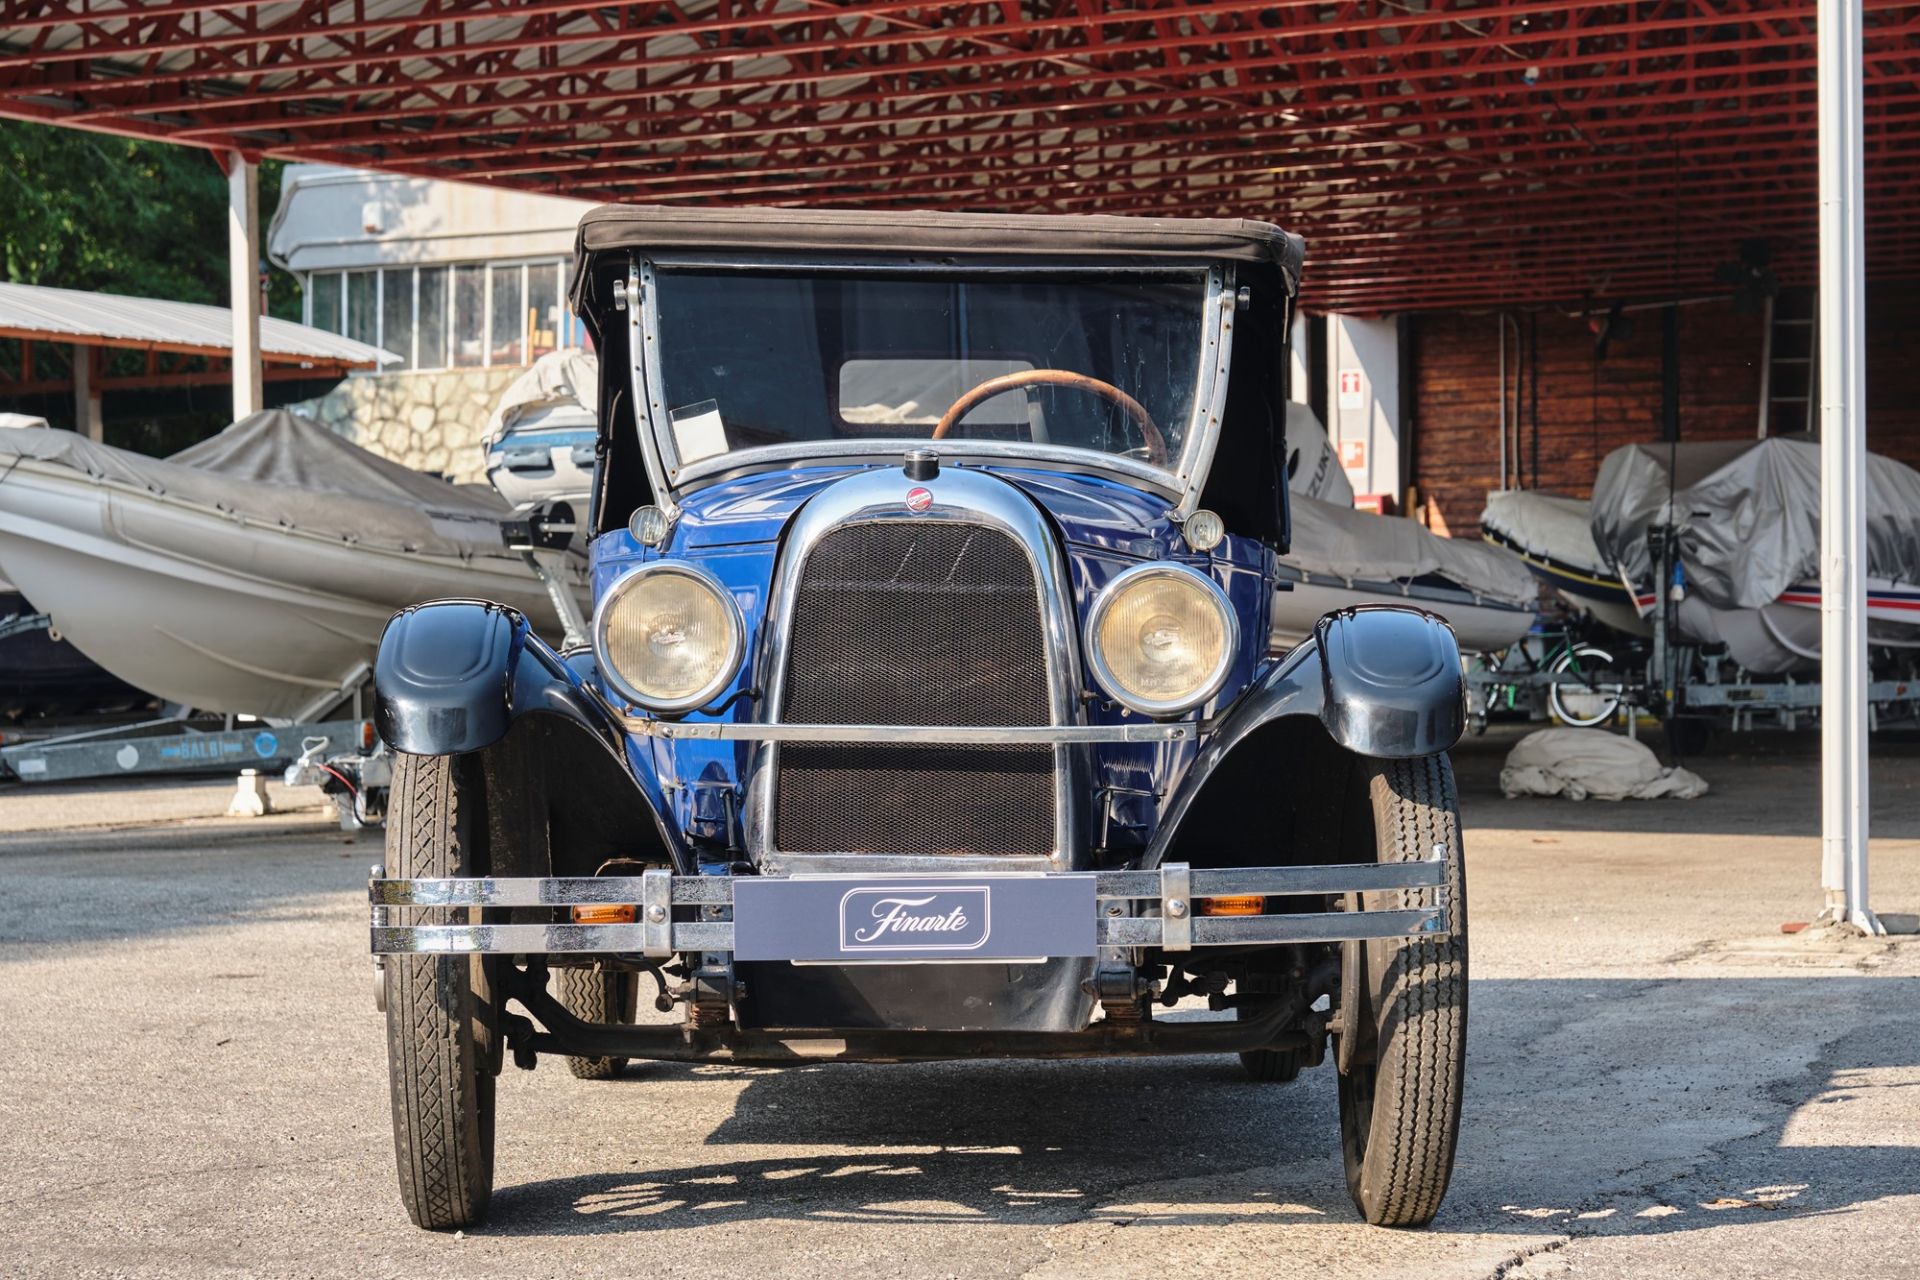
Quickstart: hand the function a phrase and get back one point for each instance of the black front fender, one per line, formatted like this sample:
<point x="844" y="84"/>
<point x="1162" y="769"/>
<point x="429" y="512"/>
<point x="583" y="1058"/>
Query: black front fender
<point x="459" y="676"/>
<point x="1383" y="680"/>
<point x="1391" y="681"/>
<point x="452" y="676"/>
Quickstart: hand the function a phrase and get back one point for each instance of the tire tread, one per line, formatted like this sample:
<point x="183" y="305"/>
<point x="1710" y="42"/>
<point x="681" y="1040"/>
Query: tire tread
<point x="595" y="995"/>
<point x="439" y="1088"/>
<point x="1409" y="1153"/>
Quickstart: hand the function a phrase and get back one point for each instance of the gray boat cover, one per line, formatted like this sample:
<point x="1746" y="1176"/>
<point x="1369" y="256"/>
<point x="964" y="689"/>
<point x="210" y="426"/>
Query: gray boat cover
<point x="1748" y="514"/>
<point x="559" y="378"/>
<point x="1547" y="525"/>
<point x="1356" y="545"/>
<point x="280" y="468"/>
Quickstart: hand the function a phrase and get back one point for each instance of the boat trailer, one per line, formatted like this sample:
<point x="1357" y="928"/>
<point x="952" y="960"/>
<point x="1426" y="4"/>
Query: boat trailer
<point x="1673" y="680"/>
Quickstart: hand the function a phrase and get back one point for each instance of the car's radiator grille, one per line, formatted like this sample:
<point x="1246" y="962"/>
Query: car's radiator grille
<point x="916" y="623"/>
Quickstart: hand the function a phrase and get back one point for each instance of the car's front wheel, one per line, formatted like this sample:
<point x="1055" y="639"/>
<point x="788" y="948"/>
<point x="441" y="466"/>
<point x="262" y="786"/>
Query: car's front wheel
<point x="1403" y="1016"/>
<point x="438" y="1017"/>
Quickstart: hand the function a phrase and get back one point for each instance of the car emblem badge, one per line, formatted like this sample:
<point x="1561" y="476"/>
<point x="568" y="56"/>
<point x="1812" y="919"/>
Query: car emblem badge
<point x="930" y="918"/>
<point x="919" y="499"/>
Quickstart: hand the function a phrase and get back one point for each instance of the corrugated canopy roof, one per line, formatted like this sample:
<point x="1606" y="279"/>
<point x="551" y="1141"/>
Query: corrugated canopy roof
<point x="1433" y="155"/>
<point x="155" y="324"/>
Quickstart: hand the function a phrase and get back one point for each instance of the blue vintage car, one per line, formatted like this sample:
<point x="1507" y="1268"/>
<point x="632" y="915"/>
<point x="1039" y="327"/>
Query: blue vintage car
<point x="930" y="709"/>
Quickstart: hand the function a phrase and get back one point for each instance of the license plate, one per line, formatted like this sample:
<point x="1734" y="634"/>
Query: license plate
<point x="913" y="919"/>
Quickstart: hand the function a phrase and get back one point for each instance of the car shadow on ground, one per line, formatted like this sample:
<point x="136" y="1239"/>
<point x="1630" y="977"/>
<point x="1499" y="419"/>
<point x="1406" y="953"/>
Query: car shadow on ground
<point x="1559" y="1135"/>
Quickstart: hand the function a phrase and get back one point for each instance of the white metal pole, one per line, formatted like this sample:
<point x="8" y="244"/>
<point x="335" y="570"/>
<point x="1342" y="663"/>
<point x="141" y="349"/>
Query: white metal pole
<point x="1843" y="487"/>
<point x="1500" y="321"/>
<point x="1766" y="366"/>
<point x="243" y="257"/>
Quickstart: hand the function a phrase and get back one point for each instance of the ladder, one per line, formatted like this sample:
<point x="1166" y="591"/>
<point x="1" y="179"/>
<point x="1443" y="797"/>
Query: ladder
<point x="1789" y="364"/>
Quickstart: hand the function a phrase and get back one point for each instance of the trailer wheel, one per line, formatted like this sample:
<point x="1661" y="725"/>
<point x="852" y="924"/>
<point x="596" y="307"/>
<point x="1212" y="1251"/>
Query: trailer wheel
<point x="439" y="1021"/>
<point x="1404" y="1011"/>
<point x="1595" y="698"/>
<point x="598" y="995"/>
<point x="1687" y="736"/>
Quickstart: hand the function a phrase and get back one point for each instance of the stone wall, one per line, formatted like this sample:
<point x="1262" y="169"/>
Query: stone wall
<point x="428" y="421"/>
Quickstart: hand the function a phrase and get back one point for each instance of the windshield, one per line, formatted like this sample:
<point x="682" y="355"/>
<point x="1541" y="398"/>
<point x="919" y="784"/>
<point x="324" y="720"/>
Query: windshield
<point x="756" y="359"/>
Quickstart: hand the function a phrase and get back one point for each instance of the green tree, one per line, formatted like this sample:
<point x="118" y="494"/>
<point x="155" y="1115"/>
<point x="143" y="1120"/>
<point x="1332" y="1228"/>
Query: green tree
<point x="106" y="214"/>
<point x="116" y="215"/>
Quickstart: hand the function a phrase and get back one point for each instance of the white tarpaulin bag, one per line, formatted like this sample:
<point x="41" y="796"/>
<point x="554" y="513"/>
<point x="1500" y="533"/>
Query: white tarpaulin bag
<point x="1583" y="764"/>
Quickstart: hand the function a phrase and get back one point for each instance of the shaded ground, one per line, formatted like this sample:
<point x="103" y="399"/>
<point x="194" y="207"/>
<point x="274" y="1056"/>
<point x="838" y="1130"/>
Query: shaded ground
<point x="1660" y="1082"/>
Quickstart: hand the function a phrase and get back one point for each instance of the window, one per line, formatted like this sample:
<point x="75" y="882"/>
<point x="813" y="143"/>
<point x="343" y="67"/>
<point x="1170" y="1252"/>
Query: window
<point x="432" y="323"/>
<point x="469" y="317"/>
<point x="396" y="316"/>
<point x="363" y="322"/>
<point x="543" y="307"/>
<point x="752" y="359"/>
<point x="325" y="301"/>
<point x="509" y="324"/>
<point x="449" y="317"/>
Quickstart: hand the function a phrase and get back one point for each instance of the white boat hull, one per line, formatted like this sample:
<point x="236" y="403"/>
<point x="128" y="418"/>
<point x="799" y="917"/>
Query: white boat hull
<point x="203" y="608"/>
<point x="1481" y="627"/>
<point x="543" y="464"/>
<point x="1784" y="636"/>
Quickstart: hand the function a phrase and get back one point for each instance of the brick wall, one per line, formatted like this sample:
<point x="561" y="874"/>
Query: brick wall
<point x="1589" y="406"/>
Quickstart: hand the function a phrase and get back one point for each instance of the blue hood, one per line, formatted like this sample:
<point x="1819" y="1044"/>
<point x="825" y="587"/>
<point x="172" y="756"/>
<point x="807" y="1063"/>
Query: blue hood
<point x="1095" y="513"/>
<point x="733" y="531"/>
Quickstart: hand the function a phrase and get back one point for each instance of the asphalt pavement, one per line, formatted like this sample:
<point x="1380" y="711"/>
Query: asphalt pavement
<point x="1661" y="1082"/>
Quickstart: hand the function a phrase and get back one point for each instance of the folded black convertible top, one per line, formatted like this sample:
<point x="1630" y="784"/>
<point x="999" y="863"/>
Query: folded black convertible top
<point x="906" y="234"/>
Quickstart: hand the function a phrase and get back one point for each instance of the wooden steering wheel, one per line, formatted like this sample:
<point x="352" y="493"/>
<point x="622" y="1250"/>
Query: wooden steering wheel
<point x="1149" y="433"/>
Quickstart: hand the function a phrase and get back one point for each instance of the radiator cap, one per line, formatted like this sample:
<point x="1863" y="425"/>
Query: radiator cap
<point x="922" y="464"/>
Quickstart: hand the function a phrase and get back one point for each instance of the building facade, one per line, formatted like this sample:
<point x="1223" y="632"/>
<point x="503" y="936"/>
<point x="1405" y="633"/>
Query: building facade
<point x="466" y="285"/>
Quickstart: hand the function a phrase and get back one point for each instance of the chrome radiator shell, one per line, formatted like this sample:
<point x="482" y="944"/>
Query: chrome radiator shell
<point x="861" y="575"/>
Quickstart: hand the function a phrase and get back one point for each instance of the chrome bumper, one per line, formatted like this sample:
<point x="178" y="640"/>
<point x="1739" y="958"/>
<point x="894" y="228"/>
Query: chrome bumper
<point x="1132" y="909"/>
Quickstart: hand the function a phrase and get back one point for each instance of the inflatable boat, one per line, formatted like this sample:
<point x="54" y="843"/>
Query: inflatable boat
<point x="1554" y="537"/>
<point x="1746" y="515"/>
<point x="1341" y="557"/>
<point x="251" y="573"/>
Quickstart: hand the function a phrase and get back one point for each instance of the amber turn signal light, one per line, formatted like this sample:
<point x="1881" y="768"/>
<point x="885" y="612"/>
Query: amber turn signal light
<point x="604" y="913"/>
<point x="1239" y="904"/>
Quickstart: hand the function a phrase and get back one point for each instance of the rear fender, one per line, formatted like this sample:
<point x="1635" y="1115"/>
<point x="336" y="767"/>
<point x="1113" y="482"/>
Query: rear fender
<point x="1382" y="681"/>
<point x="468" y="676"/>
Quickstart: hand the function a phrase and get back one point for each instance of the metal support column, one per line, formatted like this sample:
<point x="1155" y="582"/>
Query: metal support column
<point x="88" y="419"/>
<point x="1500" y="321"/>
<point x="243" y="256"/>
<point x="1843" y="456"/>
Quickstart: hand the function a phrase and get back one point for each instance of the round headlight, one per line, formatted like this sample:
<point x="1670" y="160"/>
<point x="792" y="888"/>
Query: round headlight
<point x="1161" y="638"/>
<point x="669" y="637"/>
